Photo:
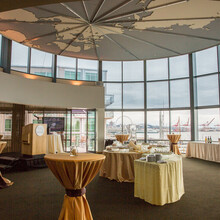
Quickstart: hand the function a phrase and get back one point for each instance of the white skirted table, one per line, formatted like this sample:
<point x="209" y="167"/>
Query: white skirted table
<point x="119" y="166"/>
<point x="3" y="181"/>
<point x="54" y="144"/>
<point x="204" y="151"/>
<point x="159" y="184"/>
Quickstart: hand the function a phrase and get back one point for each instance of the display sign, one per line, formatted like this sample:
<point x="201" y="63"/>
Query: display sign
<point x="39" y="130"/>
<point x="54" y="124"/>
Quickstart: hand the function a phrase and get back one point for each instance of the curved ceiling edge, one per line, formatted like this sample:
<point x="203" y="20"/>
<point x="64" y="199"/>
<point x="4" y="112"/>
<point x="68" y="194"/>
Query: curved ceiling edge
<point x="7" y="5"/>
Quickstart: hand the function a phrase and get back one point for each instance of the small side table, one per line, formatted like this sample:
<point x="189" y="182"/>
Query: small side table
<point x="3" y="181"/>
<point x="174" y="138"/>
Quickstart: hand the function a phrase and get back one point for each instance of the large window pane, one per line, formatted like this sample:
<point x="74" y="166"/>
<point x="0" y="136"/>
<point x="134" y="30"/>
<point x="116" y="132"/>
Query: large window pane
<point x="157" y="69"/>
<point x="207" y="90"/>
<point x="66" y="67"/>
<point x="179" y="93"/>
<point x="133" y="95"/>
<point x="157" y="95"/>
<point x="206" y="61"/>
<point x="157" y="125"/>
<point x="180" y="124"/>
<point x="113" y="123"/>
<point x="41" y="63"/>
<point x="179" y="66"/>
<point x="113" y="95"/>
<point x="19" y="57"/>
<point x="133" y="124"/>
<point x="208" y="124"/>
<point x="111" y="71"/>
<point x="87" y="70"/>
<point x="133" y="71"/>
<point x="6" y="127"/>
<point x="0" y="50"/>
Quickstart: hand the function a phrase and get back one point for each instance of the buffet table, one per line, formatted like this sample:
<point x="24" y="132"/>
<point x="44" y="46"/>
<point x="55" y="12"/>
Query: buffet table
<point x="54" y="144"/>
<point x="3" y="181"/>
<point x="174" y="138"/>
<point x="204" y="151"/>
<point x="75" y="173"/>
<point x="159" y="183"/>
<point x="119" y="166"/>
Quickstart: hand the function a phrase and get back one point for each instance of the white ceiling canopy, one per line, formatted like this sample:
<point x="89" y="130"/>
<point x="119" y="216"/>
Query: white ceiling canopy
<point x="116" y="29"/>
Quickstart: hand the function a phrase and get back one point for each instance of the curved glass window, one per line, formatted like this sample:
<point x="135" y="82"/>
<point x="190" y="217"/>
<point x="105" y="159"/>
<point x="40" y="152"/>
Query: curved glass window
<point x="19" y="57"/>
<point x="113" y="124"/>
<point x="113" y="95"/>
<point x="208" y="123"/>
<point x="41" y="63"/>
<point x="111" y="71"/>
<point x="66" y="67"/>
<point x="87" y="70"/>
<point x="180" y="123"/>
<point x="157" y="69"/>
<point x="206" y="61"/>
<point x="157" y="95"/>
<point x="179" y="66"/>
<point x="133" y="124"/>
<point x="133" y="71"/>
<point x="207" y="90"/>
<point x="157" y="125"/>
<point x="133" y="95"/>
<point x="179" y="93"/>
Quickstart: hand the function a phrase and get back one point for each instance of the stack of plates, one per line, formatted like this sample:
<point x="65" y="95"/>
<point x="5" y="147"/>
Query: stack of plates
<point x="158" y="157"/>
<point x="151" y="158"/>
<point x="143" y="158"/>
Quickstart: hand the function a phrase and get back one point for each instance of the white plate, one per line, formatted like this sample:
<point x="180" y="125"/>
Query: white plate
<point x="161" y="161"/>
<point x="142" y="158"/>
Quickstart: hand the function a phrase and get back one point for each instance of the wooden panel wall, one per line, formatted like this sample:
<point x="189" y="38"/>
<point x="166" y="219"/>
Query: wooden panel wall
<point x="18" y="119"/>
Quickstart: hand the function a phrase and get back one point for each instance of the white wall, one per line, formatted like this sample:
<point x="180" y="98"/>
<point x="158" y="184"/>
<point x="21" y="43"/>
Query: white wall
<point x="20" y="90"/>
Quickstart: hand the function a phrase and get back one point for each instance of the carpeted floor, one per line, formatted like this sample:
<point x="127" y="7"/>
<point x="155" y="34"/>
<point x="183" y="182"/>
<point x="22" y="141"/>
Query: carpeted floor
<point x="37" y="195"/>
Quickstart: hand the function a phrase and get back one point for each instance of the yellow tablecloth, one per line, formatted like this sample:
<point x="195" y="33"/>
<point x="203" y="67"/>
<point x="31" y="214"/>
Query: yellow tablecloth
<point x="122" y="137"/>
<point x="204" y="151"/>
<point x="75" y="173"/>
<point x="54" y="144"/>
<point x="119" y="166"/>
<point x="2" y="145"/>
<point x="3" y="181"/>
<point x="174" y="138"/>
<point x="159" y="184"/>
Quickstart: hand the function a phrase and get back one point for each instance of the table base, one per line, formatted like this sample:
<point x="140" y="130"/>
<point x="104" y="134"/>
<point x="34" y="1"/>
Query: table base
<point x="175" y="149"/>
<point x="4" y="183"/>
<point x="75" y="206"/>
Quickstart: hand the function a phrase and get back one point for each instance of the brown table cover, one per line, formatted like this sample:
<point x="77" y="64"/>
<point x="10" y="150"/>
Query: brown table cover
<point x="3" y="181"/>
<point x="174" y="138"/>
<point x="75" y="172"/>
<point x="122" y="137"/>
<point x="119" y="166"/>
<point x="204" y="151"/>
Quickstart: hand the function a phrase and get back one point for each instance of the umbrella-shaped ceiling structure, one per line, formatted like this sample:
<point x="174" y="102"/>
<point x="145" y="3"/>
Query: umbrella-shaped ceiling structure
<point x="116" y="29"/>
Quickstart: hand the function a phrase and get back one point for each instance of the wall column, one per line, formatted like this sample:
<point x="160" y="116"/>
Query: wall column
<point x="18" y="120"/>
<point x="6" y="54"/>
<point x="100" y="129"/>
